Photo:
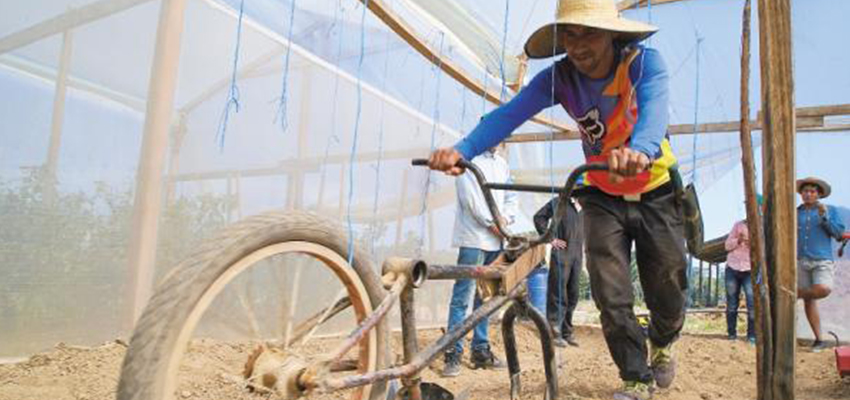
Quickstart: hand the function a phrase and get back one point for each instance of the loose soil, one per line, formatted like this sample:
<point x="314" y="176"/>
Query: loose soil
<point x="710" y="368"/>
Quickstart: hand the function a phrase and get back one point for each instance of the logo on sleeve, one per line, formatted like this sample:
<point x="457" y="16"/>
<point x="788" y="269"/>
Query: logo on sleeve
<point x="592" y="129"/>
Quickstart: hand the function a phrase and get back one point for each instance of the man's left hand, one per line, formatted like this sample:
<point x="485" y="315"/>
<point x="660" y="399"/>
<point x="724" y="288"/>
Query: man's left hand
<point x="625" y="162"/>
<point x="821" y="209"/>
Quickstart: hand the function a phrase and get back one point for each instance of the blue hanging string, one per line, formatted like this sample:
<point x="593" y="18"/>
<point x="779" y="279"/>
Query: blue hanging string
<point x="281" y="107"/>
<point x="504" y="90"/>
<point x="351" y="159"/>
<point x="233" y="97"/>
<point x="696" y="112"/>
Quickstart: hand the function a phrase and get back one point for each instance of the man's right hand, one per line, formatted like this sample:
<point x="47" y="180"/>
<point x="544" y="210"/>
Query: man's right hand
<point x="445" y="160"/>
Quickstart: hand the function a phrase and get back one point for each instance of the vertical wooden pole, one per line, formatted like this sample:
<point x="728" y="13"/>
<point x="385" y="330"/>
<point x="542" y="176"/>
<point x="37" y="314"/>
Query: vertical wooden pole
<point x="761" y="287"/>
<point x="320" y="199"/>
<point x="700" y="292"/>
<point x="58" y="114"/>
<point x="237" y="203"/>
<point x="707" y="295"/>
<point x="717" y="285"/>
<point x="777" y="92"/>
<point x="402" y="200"/>
<point x="229" y="196"/>
<point x="295" y="195"/>
<point x="342" y="191"/>
<point x="146" y="206"/>
<point x="432" y="238"/>
<point x="174" y="158"/>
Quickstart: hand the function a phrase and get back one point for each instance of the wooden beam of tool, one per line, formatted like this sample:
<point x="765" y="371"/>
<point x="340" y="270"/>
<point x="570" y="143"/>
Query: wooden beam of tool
<point x="777" y="97"/>
<point x="406" y="32"/>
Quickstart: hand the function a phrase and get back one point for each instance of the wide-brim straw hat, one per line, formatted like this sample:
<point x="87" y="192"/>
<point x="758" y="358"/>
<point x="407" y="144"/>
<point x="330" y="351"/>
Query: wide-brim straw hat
<point x="600" y="14"/>
<point x="822" y="186"/>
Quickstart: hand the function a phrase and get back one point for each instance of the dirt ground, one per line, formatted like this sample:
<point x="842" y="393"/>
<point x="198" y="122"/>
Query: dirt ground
<point x="711" y="368"/>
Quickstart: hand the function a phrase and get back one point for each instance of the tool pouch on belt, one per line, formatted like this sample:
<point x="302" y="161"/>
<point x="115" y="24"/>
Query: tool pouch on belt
<point x="691" y="214"/>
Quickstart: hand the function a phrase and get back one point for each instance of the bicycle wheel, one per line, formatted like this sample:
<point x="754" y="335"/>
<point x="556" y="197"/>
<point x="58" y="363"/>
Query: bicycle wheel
<point x="154" y="368"/>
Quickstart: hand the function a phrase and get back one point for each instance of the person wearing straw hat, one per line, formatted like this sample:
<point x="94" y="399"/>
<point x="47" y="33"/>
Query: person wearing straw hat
<point x="617" y="91"/>
<point x="817" y="225"/>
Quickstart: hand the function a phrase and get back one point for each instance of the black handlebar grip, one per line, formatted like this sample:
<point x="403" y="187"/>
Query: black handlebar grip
<point x="423" y="162"/>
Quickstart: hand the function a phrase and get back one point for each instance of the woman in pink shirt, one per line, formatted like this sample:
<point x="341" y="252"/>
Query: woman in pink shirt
<point x="737" y="278"/>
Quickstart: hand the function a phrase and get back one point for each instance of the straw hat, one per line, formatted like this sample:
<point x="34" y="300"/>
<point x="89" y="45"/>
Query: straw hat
<point x="822" y="186"/>
<point x="600" y="14"/>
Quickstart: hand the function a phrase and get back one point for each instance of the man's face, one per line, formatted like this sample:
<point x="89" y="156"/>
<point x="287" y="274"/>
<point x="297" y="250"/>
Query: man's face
<point x="810" y="194"/>
<point x="590" y="49"/>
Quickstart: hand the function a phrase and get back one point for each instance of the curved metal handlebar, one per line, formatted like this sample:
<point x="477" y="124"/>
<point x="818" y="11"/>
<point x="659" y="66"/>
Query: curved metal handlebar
<point x="518" y="244"/>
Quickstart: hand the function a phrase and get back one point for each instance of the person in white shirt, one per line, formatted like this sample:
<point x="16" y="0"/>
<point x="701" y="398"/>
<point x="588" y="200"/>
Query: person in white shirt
<point x="479" y="243"/>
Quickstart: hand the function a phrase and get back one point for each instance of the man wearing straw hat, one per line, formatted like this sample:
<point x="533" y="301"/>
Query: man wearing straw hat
<point x="817" y="224"/>
<point x="616" y="90"/>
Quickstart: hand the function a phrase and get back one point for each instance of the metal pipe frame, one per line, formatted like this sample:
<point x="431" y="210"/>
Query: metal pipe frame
<point x="550" y="364"/>
<point x="422" y="358"/>
<point x="372" y="320"/>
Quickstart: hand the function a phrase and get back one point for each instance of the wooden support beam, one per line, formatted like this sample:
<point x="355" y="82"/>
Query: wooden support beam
<point x="624" y="5"/>
<point x="58" y="114"/>
<point x="402" y="201"/>
<point x="65" y="22"/>
<point x="146" y="206"/>
<point x="36" y="70"/>
<point x="397" y="209"/>
<point x="178" y="135"/>
<point x="809" y="119"/>
<point x="544" y="136"/>
<point x="761" y="288"/>
<point x="408" y="34"/>
<point x="777" y="92"/>
<point x="342" y="191"/>
<point x="311" y="164"/>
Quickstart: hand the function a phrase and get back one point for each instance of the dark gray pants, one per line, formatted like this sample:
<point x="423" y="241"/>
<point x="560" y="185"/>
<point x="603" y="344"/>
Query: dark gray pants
<point x="562" y="293"/>
<point x="654" y="225"/>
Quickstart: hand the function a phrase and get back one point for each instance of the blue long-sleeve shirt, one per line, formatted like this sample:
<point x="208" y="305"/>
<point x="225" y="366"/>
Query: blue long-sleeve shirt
<point x="815" y="233"/>
<point x="627" y="108"/>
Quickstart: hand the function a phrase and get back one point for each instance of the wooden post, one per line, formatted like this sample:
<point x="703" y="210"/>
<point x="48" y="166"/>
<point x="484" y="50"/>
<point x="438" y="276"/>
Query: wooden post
<point x="777" y="93"/>
<point x="761" y="287"/>
<point x="402" y="200"/>
<point x="342" y="191"/>
<point x="237" y="203"/>
<point x="717" y="285"/>
<point x="58" y="115"/>
<point x="295" y="185"/>
<point x="707" y="294"/>
<point x="179" y="133"/>
<point x="146" y="206"/>
<point x="432" y="238"/>
<point x="700" y="292"/>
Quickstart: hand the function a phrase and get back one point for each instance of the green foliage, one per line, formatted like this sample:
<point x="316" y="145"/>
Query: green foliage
<point x="64" y="255"/>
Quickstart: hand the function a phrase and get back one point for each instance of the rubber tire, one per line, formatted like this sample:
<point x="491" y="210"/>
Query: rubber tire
<point x="156" y="333"/>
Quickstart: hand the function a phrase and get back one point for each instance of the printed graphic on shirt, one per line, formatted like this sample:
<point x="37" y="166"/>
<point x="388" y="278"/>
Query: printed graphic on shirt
<point x="591" y="127"/>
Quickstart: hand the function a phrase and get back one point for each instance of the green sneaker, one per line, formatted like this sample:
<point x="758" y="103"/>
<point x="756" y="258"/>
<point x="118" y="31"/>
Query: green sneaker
<point x="662" y="364"/>
<point x="635" y="390"/>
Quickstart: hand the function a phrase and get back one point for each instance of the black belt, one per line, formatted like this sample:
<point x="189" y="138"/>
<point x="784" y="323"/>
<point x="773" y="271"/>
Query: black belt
<point x="663" y="190"/>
